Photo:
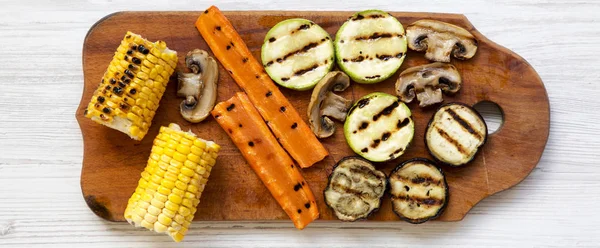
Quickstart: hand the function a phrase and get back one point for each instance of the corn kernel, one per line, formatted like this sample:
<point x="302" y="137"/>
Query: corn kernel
<point x="179" y="157"/>
<point x="175" y="198"/>
<point x="155" y="202"/>
<point x="159" y="227"/>
<point x="168" y="213"/>
<point x="164" y="219"/>
<point x="172" y="206"/>
<point x="153" y="210"/>
<point x="150" y="218"/>
<point x="184" y="211"/>
<point x="181" y="185"/>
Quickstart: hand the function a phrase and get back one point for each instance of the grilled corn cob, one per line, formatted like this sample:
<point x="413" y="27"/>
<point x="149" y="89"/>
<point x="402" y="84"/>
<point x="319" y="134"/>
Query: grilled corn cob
<point x="132" y="86"/>
<point x="169" y="190"/>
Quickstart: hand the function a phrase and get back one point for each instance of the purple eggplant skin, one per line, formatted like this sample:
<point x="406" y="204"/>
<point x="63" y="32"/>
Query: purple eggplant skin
<point x="444" y="204"/>
<point x="431" y="121"/>
<point x="375" y="210"/>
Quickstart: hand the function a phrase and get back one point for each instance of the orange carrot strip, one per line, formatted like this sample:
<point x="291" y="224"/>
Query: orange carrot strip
<point x="238" y="117"/>
<point x="283" y="119"/>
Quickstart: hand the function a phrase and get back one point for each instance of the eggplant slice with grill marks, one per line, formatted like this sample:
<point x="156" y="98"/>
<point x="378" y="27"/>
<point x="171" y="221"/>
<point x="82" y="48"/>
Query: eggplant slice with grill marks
<point x="379" y="127"/>
<point x="297" y="53"/>
<point x="370" y="46"/>
<point x="355" y="189"/>
<point x="419" y="190"/>
<point x="455" y="133"/>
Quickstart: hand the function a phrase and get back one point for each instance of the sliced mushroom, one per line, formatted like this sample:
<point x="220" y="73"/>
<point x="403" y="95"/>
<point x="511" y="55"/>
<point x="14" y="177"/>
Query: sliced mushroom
<point x="441" y="39"/>
<point x="428" y="81"/>
<point x="324" y="104"/>
<point x="198" y="87"/>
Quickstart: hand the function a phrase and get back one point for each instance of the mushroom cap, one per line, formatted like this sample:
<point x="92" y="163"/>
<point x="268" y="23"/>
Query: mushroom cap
<point x="199" y="87"/>
<point x="440" y="40"/>
<point x="428" y="81"/>
<point x="324" y="104"/>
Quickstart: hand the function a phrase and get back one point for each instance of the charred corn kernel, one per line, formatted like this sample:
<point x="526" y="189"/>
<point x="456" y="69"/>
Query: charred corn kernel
<point x="166" y="198"/>
<point x="133" y="63"/>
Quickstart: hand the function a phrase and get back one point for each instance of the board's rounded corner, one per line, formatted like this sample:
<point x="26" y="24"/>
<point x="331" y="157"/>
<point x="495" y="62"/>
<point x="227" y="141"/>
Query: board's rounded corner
<point x="101" y="20"/>
<point x="98" y="207"/>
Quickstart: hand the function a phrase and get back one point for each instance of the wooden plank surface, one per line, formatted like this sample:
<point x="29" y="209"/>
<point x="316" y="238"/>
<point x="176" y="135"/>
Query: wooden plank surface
<point x="41" y="204"/>
<point x="234" y="192"/>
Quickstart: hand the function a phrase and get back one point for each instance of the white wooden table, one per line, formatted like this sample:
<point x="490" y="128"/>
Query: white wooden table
<point x="41" y="145"/>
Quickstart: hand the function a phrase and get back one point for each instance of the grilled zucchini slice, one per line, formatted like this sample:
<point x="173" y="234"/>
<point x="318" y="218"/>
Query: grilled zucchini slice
<point x="419" y="190"/>
<point x="297" y="53"/>
<point x="355" y="189"/>
<point x="455" y="133"/>
<point x="379" y="127"/>
<point x="370" y="46"/>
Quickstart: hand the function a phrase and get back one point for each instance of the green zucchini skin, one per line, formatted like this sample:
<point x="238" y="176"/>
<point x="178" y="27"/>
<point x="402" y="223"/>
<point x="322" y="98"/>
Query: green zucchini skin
<point x="297" y="53"/>
<point x="444" y="183"/>
<point x="370" y="46"/>
<point x="379" y="127"/>
<point x="429" y="126"/>
<point x="329" y="182"/>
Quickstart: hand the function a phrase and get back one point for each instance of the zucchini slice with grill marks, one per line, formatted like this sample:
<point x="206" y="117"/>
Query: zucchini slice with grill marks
<point x="370" y="46"/>
<point x="455" y="133"/>
<point x="419" y="190"/>
<point x="355" y="189"/>
<point x="379" y="127"/>
<point x="297" y="53"/>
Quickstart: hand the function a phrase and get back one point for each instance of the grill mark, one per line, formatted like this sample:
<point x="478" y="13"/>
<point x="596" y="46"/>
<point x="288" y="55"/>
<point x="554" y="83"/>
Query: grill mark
<point x="361" y="17"/>
<point x="375" y="35"/>
<point x="372" y="77"/>
<point x="304" y="49"/>
<point x="384" y="57"/>
<point x="451" y="140"/>
<point x="402" y="123"/>
<point x="463" y="123"/>
<point x="355" y="192"/>
<point x="386" y="111"/>
<point x="418" y="180"/>
<point x="364" y="172"/>
<point x="419" y="200"/>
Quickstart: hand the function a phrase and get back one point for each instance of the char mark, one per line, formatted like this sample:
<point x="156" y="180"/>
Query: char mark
<point x="419" y="200"/>
<point x="464" y="123"/>
<point x="451" y="140"/>
<point x="386" y="111"/>
<point x="376" y="35"/>
<point x="304" y="49"/>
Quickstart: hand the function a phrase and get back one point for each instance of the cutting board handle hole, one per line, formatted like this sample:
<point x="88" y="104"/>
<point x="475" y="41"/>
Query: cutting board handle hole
<point x="492" y="115"/>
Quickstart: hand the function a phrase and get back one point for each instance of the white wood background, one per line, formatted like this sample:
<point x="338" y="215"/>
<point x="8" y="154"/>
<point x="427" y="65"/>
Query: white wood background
<point x="41" y="145"/>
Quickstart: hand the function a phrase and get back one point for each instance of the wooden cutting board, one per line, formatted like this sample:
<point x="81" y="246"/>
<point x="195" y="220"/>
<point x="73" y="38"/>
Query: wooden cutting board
<point x="112" y="162"/>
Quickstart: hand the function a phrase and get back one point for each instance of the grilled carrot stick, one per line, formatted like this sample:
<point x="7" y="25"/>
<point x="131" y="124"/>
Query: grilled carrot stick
<point x="238" y="117"/>
<point x="283" y="119"/>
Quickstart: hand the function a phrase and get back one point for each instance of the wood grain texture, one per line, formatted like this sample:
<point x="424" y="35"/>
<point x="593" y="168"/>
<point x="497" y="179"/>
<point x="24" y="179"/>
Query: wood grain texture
<point x="234" y="192"/>
<point x="41" y="148"/>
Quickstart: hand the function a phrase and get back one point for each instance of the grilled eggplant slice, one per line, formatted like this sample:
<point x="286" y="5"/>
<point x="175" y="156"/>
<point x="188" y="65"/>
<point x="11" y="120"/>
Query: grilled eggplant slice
<point x="355" y="189"/>
<point x="297" y="53"/>
<point x="370" y="46"/>
<point x="455" y="133"/>
<point x="379" y="127"/>
<point x="419" y="190"/>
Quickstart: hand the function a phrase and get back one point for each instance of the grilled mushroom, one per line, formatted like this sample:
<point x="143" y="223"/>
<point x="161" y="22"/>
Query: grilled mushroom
<point x="441" y="39"/>
<point x="324" y="104"/>
<point x="428" y="81"/>
<point x="198" y="87"/>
